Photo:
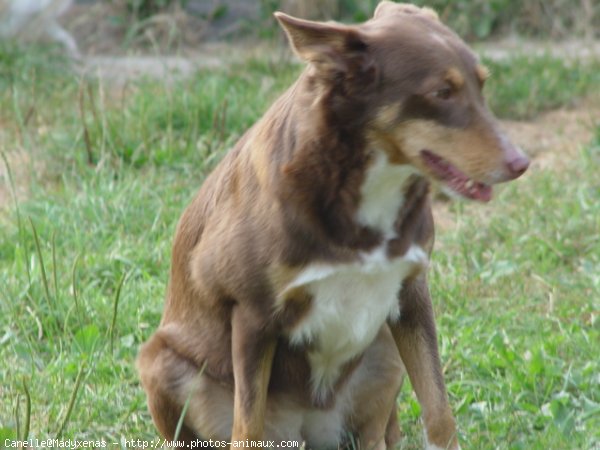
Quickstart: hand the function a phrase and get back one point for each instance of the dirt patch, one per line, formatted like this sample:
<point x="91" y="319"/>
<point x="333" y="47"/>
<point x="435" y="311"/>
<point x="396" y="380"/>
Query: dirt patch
<point x="555" y="137"/>
<point x="117" y="70"/>
<point x="568" y="49"/>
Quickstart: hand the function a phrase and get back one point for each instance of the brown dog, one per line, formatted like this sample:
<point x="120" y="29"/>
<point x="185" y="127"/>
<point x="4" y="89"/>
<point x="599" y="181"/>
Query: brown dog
<point x="299" y="271"/>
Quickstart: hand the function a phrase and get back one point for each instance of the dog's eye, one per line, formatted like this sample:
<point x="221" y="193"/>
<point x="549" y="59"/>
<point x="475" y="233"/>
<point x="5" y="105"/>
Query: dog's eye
<point x="444" y="93"/>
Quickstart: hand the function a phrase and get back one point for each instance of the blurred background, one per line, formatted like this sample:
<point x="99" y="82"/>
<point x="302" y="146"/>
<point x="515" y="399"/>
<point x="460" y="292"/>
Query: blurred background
<point x="101" y="26"/>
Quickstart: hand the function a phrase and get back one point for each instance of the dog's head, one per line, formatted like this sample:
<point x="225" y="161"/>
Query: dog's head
<point x="420" y="90"/>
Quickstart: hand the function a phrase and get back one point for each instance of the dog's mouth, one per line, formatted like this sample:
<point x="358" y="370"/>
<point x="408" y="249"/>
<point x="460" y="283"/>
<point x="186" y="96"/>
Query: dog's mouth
<point x="454" y="179"/>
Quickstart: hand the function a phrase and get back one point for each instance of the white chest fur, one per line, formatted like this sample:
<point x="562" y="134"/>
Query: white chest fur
<point x="382" y="194"/>
<point x="350" y="304"/>
<point x="351" y="301"/>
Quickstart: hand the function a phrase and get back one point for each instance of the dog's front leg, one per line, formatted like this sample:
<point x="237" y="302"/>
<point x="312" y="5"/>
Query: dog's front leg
<point x="416" y="339"/>
<point x="252" y="354"/>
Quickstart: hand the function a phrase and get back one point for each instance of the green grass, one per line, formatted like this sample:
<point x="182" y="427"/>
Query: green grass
<point x="523" y="86"/>
<point x="516" y="284"/>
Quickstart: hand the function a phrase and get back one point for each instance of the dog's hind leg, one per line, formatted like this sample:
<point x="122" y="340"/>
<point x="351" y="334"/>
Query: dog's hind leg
<point x="392" y="431"/>
<point x="170" y="380"/>
<point x="374" y="388"/>
<point x="252" y="354"/>
<point x="164" y="374"/>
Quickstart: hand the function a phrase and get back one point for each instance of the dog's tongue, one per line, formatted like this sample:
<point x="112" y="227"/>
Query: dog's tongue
<point x="471" y="189"/>
<point x="455" y="179"/>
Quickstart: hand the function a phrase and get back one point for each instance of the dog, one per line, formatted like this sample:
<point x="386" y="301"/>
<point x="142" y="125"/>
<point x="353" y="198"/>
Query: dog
<point x="36" y="19"/>
<point x="298" y="292"/>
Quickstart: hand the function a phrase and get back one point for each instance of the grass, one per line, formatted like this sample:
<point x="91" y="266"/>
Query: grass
<point x="84" y="258"/>
<point x="522" y="86"/>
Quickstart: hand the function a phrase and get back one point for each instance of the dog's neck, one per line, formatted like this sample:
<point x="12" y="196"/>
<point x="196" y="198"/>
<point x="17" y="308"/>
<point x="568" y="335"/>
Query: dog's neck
<point x="325" y="171"/>
<point x="383" y="193"/>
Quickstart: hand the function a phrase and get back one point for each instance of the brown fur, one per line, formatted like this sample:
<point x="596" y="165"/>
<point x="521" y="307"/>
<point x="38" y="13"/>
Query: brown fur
<point x="287" y="196"/>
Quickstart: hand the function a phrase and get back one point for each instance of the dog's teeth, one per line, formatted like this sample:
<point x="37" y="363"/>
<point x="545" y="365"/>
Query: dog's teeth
<point x="470" y="184"/>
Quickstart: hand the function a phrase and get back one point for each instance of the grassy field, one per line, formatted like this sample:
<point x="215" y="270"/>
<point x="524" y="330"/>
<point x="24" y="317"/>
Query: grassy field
<point x="84" y="255"/>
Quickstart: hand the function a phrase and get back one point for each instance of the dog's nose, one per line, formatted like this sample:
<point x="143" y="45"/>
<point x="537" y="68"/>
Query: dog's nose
<point x="518" y="165"/>
<point x="516" y="162"/>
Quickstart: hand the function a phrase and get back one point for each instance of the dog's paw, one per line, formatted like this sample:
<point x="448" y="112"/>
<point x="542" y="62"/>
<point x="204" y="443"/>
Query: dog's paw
<point x="452" y="445"/>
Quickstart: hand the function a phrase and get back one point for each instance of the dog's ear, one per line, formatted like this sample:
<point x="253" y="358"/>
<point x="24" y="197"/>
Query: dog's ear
<point x="330" y="47"/>
<point x="385" y="8"/>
